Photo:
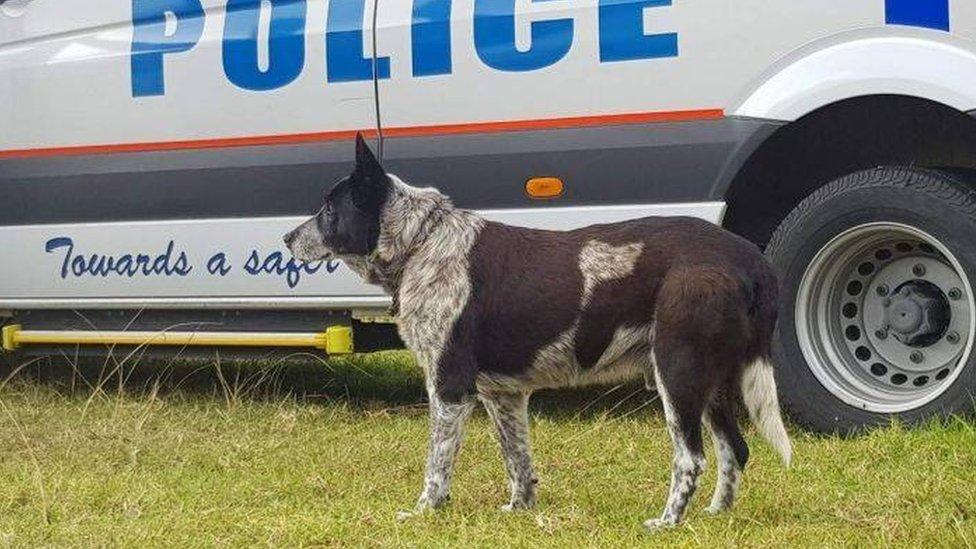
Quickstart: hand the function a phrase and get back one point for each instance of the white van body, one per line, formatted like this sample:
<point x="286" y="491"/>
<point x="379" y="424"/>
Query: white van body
<point x="153" y="152"/>
<point x="700" y="80"/>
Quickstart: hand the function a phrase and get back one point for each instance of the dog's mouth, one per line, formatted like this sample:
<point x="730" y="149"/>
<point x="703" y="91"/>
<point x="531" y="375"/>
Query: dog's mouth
<point x="307" y="256"/>
<point x="302" y="249"/>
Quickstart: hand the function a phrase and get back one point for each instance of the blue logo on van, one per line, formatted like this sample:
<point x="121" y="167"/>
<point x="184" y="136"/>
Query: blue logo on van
<point x="932" y="14"/>
<point x="171" y="27"/>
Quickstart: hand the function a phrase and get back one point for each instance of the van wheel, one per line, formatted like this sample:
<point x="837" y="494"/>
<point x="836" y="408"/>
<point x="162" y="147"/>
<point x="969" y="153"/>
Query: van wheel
<point x="877" y="313"/>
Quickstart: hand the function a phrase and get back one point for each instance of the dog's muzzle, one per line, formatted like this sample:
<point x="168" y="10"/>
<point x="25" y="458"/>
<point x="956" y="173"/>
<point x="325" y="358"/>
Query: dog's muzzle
<point x="290" y="237"/>
<point x="305" y="243"/>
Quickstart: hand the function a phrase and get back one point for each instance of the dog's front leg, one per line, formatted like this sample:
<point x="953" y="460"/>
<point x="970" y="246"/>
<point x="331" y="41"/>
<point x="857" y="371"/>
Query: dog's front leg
<point x="446" y="430"/>
<point x="509" y="412"/>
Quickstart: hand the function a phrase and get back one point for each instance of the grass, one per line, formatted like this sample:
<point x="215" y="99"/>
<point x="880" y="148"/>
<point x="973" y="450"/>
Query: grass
<point x="325" y="454"/>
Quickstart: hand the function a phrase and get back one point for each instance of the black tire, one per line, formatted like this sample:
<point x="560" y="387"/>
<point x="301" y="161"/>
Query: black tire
<point x="938" y="203"/>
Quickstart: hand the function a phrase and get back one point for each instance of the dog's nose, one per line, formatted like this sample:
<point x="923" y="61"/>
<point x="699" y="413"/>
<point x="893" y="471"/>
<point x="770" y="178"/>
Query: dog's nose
<point x="289" y="238"/>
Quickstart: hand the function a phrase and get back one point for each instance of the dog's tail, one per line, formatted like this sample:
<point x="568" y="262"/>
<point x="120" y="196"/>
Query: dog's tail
<point x="759" y="394"/>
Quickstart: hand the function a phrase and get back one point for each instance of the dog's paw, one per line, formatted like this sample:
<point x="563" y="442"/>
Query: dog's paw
<point x="420" y="509"/>
<point x="657" y="524"/>
<point x="517" y="505"/>
<point x="402" y="516"/>
<point x="715" y="510"/>
<point x="423" y="507"/>
<point x="514" y="507"/>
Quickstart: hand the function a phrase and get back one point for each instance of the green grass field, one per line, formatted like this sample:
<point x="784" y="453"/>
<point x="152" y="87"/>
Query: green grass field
<point x="325" y="454"/>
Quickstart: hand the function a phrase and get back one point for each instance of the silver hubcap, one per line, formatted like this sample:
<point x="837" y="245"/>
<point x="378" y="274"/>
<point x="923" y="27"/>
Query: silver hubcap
<point x="884" y="317"/>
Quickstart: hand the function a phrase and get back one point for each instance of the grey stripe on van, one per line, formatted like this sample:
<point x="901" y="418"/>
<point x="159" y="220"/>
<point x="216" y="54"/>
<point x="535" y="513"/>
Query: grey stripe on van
<point x="624" y="164"/>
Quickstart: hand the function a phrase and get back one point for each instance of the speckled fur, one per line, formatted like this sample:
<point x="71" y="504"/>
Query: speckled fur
<point x="494" y="312"/>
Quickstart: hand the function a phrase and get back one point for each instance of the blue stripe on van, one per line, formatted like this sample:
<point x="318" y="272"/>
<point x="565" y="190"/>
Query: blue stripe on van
<point x="932" y="14"/>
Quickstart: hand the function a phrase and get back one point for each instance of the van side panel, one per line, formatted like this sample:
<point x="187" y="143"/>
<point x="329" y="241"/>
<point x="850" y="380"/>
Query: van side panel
<point x="153" y="151"/>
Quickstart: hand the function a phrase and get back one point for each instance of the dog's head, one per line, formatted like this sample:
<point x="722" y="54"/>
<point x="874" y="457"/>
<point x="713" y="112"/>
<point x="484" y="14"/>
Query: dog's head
<point x="349" y="222"/>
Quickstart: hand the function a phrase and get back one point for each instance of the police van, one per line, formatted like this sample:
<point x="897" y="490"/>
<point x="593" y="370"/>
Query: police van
<point x="153" y="152"/>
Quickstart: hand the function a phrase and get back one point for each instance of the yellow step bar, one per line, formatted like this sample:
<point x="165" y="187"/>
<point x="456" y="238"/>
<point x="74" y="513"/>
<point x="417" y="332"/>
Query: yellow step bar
<point x="335" y="340"/>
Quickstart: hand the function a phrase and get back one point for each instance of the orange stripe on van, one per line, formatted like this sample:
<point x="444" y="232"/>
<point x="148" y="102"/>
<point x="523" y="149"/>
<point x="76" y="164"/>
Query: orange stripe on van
<point x="414" y="131"/>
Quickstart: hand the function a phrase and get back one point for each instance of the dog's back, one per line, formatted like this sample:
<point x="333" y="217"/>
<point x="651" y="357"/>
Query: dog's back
<point x="585" y="289"/>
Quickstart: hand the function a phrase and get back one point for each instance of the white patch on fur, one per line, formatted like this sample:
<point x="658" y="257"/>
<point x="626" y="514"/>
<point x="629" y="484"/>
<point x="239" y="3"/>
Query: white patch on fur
<point x="555" y="365"/>
<point x="627" y="340"/>
<point x="626" y="356"/>
<point x="602" y="262"/>
<point x="759" y="394"/>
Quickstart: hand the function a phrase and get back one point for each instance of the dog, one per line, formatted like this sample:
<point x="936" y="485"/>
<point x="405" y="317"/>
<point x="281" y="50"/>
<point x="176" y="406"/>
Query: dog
<point x="494" y="312"/>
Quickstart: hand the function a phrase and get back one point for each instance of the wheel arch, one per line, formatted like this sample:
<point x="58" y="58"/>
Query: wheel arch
<point x="895" y="59"/>
<point x="845" y="136"/>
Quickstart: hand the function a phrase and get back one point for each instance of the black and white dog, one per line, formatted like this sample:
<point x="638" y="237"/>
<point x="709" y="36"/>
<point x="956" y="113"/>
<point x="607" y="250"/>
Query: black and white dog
<point x="494" y="312"/>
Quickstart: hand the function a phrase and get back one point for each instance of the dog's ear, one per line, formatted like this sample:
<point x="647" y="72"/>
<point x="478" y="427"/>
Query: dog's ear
<point x="370" y="183"/>
<point x="366" y="162"/>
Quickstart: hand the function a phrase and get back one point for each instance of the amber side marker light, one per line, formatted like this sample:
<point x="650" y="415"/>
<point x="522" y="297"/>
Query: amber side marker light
<point x="544" y="187"/>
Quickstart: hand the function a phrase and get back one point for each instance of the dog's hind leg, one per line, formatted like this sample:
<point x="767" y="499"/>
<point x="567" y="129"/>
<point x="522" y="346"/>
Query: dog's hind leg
<point x="446" y="430"/>
<point x="702" y="333"/>
<point x="683" y="398"/>
<point x="731" y="451"/>
<point x="509" y="412"/>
